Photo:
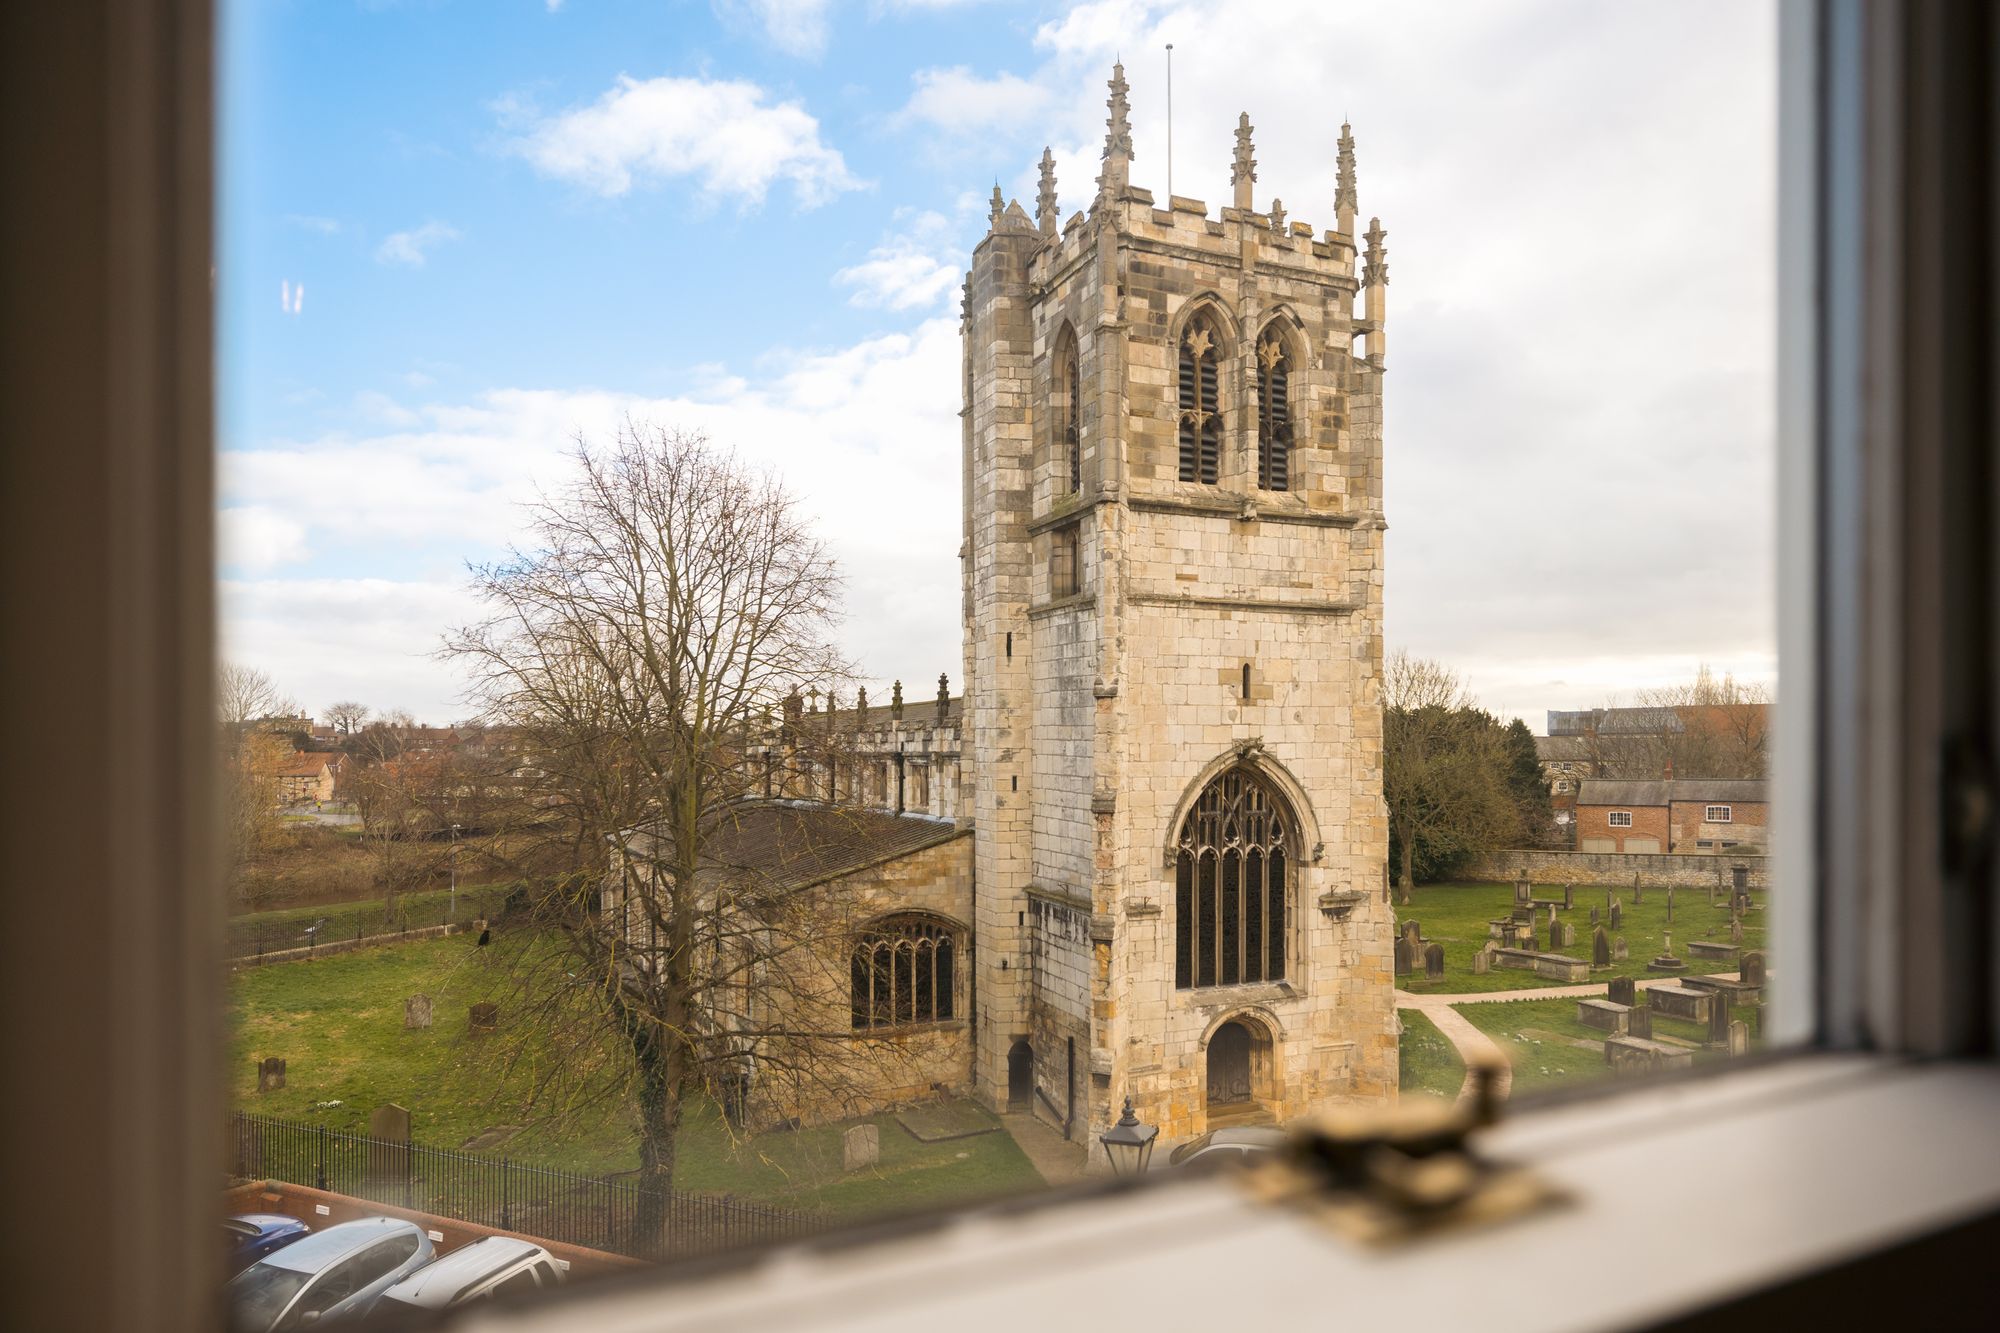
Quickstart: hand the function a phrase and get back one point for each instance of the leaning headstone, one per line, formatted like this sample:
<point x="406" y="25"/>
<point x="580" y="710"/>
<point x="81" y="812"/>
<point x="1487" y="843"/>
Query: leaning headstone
<point x="1403" y="962"/>
<point x="1624" y="991"/>
<point x="1739" y="1038"/>
<point x="271" y="1073"/>
<point x="1434" y="963"/>
<point x="1619" y="953"/>
<point x="1752" y="973"/>
<point x="484" y="1017"/>
<point x="1617" y="914"/>
<point x="861" y="1147"/>
<point x="1600" y="948"/>
<point x="417" y="1011"/>
<point x="1639" y="1023"/>
<point x="1593" y="916"/>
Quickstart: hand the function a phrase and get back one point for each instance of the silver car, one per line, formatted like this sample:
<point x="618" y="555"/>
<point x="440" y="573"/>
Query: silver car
<point x="338" y="1273"/>
<point x="1237" y="1143"/>
<point x="493" y="1266"/>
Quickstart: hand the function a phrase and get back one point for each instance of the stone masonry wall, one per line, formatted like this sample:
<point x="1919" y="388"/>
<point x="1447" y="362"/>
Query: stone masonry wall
<point x="1688" y="871"/>
<point x="1060" y="1014"/>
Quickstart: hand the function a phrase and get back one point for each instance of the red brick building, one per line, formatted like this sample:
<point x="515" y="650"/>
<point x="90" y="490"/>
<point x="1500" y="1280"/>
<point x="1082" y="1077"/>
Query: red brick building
<point x="1691" y="815"/>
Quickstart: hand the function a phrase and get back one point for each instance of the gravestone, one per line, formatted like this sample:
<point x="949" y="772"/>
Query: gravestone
<point x="1637" y="895"/>
<point x="1569" y="897"/>
<point x="1617" y="914"/>
<point x="1402" y="957"/>
<point x="1739" y="1038"/>
<point x="483" y="1017"/>
<point x="417" y="1011"/>
<point x="1413" y="934"/>
<point x="1552" y="916"/>
<point x="1604" y="1015"/>
<point x="389" y="1148"/>
<point x="1600" y="948"/>
<point x="1624" y="991"/>
<point x="1736" y="930"/>
<point x="1639" y="1023"/>
<point x="1666" y="961"/>
<point x="1718" y="1019"/>
<point x="1619" y="953"/>
<point x="861" y="1147"/>
<point x="271" y="1073"/>
<point x="1522" y="890"/>
<point x="1753" y="968"/>
<point x="1482" y="963"/>
<point x="1739" y="878"/>
<point x="1593" y="916"/>
<point x="1670" y="907"/>
<point x="1682" y="1002"/>
<point x="1434" y="963"/>
<point x="1561" y="935"/>
<point x="1528" y="939"/>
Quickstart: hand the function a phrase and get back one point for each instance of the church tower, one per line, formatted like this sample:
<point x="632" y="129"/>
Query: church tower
<point x="1173" y="654"/>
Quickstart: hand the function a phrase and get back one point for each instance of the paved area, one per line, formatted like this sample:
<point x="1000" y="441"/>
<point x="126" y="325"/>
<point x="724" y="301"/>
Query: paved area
<point x="1476" y="1048"/>
<point x="1057" y="1159"/>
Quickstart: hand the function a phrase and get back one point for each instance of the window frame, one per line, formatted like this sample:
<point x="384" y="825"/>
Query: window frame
<point x="1708" y="815"/>
<point x="1618" y="819"/>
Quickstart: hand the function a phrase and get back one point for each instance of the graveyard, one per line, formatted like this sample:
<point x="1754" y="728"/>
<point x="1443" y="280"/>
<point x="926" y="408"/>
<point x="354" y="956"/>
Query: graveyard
<point x="339" y="1024"/>
<point x="1462" y="919"/>
<point x="1550" y="1047"/>
<point x="1430" y="1064"/>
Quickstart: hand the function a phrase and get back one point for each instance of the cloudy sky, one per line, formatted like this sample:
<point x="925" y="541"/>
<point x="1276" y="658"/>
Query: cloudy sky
<point x="456" y="236"/>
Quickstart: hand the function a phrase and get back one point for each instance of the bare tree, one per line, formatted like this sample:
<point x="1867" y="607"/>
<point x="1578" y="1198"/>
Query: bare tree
<point x="1709" y="727"/>
<point x="670" y="601"/>
<point x="1444" y="767"/>
<point x="347" y="717"/>
<point x="245" y="694"/>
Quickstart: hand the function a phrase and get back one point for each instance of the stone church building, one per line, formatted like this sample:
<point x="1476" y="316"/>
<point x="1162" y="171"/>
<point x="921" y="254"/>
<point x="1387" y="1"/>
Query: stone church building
<point x="1155" y="866"/>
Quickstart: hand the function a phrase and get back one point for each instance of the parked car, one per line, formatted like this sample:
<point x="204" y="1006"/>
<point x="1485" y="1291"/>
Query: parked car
<point x="492" y="1266"/>
<point x="335" y="1274"/>
<point x="248" y="1237"/>
<point x="1235" y="1143"/>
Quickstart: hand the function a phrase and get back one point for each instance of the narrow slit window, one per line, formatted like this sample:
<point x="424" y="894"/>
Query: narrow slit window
<point x="1274" y="415"/>
<point x="1200" y="409"/>
<point x="1068" y="413"/>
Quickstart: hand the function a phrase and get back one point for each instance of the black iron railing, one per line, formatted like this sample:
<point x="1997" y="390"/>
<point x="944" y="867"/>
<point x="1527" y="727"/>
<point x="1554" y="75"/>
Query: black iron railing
<point x="597" y="1211"/>
<point x="248" y="937"/>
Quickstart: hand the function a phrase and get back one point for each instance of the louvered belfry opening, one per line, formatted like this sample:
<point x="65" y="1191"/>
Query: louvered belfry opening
<point x="1274" y="415"/>
<point x="1230" y="877"/>
<point x="1069" y="415"/>
<point x="903" y="973"/>
<point x="1200" y="405"/>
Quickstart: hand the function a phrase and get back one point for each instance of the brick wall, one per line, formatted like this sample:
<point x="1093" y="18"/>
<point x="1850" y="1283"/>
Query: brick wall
<point x="1748" y="824"/>
<point x="1648" y="822"/>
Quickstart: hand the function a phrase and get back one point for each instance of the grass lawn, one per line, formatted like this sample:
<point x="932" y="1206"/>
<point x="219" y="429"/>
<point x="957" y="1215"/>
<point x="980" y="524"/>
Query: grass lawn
<point x="1430" y="1063"/>
<point x="338" y="1022"/>
<point x="1455" y="915"/>
<point x="1538" y="1037"/>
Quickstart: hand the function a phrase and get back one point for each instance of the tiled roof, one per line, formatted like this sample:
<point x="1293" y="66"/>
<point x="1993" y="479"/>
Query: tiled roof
<point x="1606" y="791"/>
<point x="303" y="764"/>
<point x="792" y="844"/>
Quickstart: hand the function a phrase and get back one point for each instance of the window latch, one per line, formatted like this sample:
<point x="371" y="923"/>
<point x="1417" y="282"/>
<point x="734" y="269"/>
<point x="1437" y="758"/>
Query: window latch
<point x="1966" y="812"/>
<point x="1387" y="1177"/>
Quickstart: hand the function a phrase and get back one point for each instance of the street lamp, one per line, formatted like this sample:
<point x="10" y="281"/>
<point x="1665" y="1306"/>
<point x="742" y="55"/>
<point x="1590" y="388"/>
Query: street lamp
<point x="1129" y="1144"/>
<point x="454" y="870"/>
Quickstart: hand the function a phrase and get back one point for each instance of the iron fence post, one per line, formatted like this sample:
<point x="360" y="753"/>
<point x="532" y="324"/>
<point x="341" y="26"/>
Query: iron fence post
<point x="320" y="1171"/>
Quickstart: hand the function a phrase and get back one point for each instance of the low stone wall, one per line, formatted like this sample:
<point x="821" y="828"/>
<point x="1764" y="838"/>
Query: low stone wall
<point x="323" y="1208"/>
<point x="1683" y="870"/>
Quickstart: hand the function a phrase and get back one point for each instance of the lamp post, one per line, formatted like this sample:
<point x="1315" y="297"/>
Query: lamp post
<point x="454" y="870"/>
<point x="1129" y="1144"/>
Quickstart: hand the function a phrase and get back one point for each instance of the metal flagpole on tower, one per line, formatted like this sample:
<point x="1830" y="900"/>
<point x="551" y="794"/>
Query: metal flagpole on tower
<point x="1170" y="124"/>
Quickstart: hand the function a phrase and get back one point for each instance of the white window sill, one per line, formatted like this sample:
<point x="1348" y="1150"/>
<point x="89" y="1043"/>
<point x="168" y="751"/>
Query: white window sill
<point x="1684" y="1195"/>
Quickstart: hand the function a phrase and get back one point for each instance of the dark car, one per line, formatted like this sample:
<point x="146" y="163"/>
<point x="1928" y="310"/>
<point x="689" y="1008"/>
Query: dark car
<point x="248" y="1237"/>
<point x="330" y="1276"/>
<point x="1237" y="1143"/>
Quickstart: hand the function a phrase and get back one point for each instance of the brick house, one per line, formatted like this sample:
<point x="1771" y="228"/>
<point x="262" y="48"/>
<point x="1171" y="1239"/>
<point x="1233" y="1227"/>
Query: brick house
<point x="1688" y="815"/>
<point x="309" y="776"/>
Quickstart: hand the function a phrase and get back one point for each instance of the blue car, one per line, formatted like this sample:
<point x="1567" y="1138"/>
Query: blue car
<point x="248" y="1237"/>
<point x="332" y="1275"/>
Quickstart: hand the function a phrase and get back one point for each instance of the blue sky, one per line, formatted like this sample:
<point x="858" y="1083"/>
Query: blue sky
<point x="455" y="235"/>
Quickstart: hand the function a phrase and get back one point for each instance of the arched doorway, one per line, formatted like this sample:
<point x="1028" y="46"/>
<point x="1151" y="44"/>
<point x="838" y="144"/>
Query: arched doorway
<point x="1229" y="1065"/>
<point x="1241" y="1072"/>
<point x="1021" y="1077"/>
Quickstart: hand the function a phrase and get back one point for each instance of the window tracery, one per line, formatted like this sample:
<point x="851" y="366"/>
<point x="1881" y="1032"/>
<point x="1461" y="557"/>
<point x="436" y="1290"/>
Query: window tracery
<point x="1230" y="879"/>
<point x="1069" y="416"/>
<point x="1200" y="403"/>
<point x="904" y="973"/>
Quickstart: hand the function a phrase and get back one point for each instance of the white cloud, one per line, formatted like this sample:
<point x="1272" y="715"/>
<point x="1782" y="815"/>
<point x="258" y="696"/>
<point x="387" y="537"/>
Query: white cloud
<point x="308" y="222"/>
<point x="412" y="247"/>
<point x="960" y="103"/>
<point x="911" y="270"/>
<point x="258" y="537"/>
<point x="291" y="300"/>
<point x="796" y="27"/>
<point x="723" y="133"/>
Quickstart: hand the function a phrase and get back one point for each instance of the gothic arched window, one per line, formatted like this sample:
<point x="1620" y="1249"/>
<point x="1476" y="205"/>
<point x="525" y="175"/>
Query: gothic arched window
<point x="1069" y="410"/>
<point x="1230" y="878"/>
<point x="1274" y="414"/>
<point x="904" y="972"/>
<point x="1200" y="402"/>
